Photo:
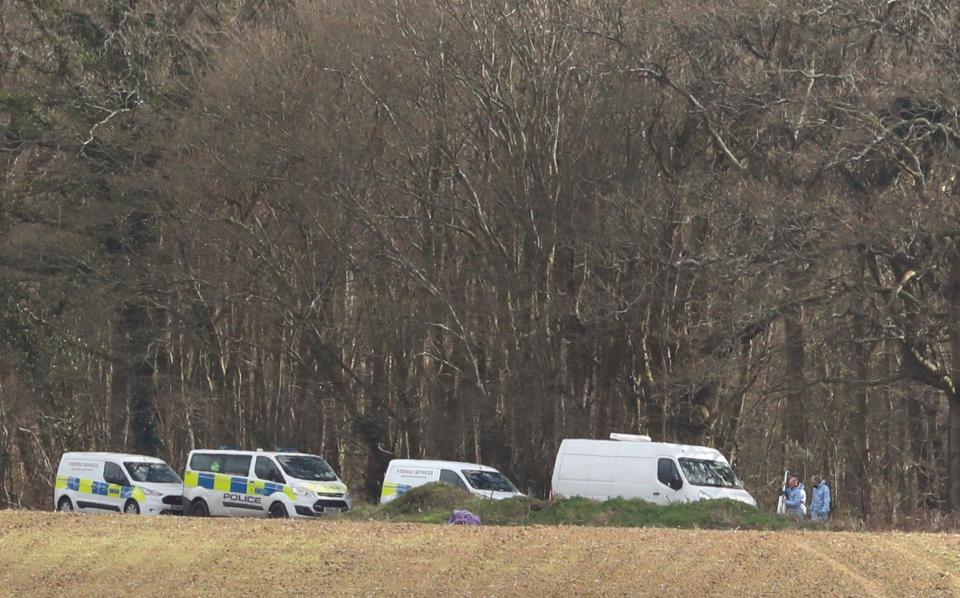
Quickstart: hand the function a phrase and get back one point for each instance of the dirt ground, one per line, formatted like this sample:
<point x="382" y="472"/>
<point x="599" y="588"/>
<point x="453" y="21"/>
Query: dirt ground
<point x="55" y="554"/>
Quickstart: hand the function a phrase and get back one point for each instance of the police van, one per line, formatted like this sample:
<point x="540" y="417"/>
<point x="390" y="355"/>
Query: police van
<point x="237" y="483"/>
<point x="116" y="482"/>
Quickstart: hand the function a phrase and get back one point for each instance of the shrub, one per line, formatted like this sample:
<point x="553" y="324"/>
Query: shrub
<point x="433" y="503"/>
<point x="435" y="495"/>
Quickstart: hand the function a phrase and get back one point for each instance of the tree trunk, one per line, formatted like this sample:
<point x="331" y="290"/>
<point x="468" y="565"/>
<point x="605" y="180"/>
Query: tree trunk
<point x="861" y="401"/>
<point x="861" y="456"/>
<point x="953" y="450"/>
<point x="795" y="424"/>
<point x="138" y="385"/>
<point x="730" y="434"/>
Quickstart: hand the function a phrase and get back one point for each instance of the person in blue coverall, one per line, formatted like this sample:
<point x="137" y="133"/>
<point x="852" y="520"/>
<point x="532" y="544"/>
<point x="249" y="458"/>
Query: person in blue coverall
<point x="795" y="498"/>
<point x="820" y="506"/>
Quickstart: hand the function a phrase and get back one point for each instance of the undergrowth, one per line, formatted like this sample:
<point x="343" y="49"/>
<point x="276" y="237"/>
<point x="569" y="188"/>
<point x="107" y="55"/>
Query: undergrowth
<point x="434" y="503"/>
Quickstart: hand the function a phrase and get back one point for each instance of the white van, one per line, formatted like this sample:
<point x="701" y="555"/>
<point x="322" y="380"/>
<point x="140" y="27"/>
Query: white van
<point x="105" y="482"/>
<point x="631" y="466"/>
<point x="404" y="474"/>
<point x="235" y="483"/>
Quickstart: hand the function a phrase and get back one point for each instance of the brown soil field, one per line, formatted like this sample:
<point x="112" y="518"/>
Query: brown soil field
<point x="58" y="554"/>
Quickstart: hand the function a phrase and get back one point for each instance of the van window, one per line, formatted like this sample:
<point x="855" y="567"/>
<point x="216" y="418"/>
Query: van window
<point x="112" y="474"/>
<point x="307" y="467"/>
<point x="450" y="477"/>
<point x="236" y="465"/>
<point x="204" y="462"/>
<point x="704" y="472"/>
<point x="221" y="463"/>
<point x="153" y="473"/>
<point x="489" y="481"/>
<point x="668" y="475"/>
<point x="267" y="470"/>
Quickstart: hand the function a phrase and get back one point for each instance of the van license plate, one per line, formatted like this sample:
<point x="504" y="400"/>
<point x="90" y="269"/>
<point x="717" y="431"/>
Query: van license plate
<point x="332" y="510"/>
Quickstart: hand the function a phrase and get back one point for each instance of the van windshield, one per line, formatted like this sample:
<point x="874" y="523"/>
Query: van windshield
<point x="489" y="480"/>
<point x="703" y="472"/>
<point x="307" y="467"/>
<point x="152" y="473"/>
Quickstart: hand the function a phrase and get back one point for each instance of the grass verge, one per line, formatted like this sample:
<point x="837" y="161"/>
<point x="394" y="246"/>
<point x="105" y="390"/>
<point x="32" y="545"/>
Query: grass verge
<point x="434" y="503"/>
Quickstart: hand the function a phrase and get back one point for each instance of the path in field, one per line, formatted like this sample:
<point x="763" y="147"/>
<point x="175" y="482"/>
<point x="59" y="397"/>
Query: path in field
<point x="53" y="554"/>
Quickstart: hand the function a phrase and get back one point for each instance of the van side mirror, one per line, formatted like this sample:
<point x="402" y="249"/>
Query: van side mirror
<point x="676" y="483"/>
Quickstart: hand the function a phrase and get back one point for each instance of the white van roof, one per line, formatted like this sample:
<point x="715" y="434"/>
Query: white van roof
<point x="253" y="452"/>
<point x="440" y="464"/>
<point x="116" y="456"/>
<point x="664" y="449"/>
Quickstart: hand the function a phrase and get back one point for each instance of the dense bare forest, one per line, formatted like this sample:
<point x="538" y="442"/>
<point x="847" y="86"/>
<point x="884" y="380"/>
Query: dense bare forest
<point x="467" y="230"/>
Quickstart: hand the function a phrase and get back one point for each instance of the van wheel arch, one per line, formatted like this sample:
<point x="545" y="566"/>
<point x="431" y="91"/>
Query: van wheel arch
<point x="65" y="504"/>
<point x="198" y="508"/>
<point x="131" y="507"/>
<point x="278" y="511"/>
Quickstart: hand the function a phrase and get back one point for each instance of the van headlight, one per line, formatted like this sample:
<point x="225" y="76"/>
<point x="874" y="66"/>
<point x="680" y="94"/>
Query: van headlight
<point x="701" y="495"/>
<point x="150" y="491"/>
<point x="301" y="491"/>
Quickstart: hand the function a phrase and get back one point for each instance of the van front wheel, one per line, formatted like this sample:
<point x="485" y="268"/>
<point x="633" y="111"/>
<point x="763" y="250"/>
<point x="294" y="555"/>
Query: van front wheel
<point x="198" y="508"/>
<point x="278" y="511"/>
<point x="131" y="508"/>
<point x="64" y="504"/>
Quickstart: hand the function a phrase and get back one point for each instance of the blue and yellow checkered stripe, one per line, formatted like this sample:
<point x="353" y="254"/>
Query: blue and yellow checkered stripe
<point x="393" y="489"/>
<point x="235" y="484"/>
<point x="99" y="488"/>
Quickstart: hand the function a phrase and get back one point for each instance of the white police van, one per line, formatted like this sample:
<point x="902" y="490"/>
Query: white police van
<point x="116" y="482"/>
<point x="238" y="483"/>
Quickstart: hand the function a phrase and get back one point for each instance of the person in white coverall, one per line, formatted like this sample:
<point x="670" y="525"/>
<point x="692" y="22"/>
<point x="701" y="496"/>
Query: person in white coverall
<point x="820" y="506"/>
<point x="795" y="498"/>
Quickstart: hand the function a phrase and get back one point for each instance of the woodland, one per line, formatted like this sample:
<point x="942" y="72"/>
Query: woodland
<point x="464" y="229"/>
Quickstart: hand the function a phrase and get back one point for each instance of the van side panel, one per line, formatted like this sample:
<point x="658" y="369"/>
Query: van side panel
<point x="78" y="466"/>
<point x="600" y="470"/>
<point x="633" y="477"/>
<point x="585" y="468"/>
<point x="402" y="477"/>
<point x="585" y="461"/>
<point x="84" y="480"/>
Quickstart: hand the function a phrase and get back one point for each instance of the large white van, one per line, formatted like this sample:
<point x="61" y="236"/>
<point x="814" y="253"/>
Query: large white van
<point x="104" y="482"/>
<point x="631" y="466"/>
<point x="236" y="483"/>
<point x="481" y="480"/>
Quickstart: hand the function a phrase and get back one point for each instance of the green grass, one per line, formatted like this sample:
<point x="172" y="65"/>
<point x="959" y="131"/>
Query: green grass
<point x="434" y="503"/>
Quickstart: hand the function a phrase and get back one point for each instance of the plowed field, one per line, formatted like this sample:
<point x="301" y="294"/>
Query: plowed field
<point x="54" y="554"/>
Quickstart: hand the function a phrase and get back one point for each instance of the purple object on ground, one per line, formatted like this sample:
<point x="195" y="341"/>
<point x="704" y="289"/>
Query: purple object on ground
<point x="463" y="518"/>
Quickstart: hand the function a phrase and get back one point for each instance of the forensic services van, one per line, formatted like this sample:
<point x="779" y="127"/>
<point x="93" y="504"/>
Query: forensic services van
<point x="236" y="483"/>
<point x="631" y="466"/>
<point x="117" y="482"/>
<point x="481" y="480"/>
